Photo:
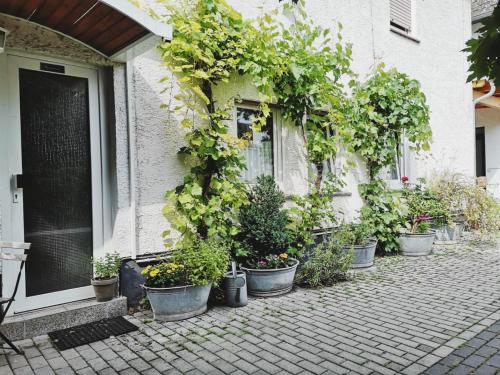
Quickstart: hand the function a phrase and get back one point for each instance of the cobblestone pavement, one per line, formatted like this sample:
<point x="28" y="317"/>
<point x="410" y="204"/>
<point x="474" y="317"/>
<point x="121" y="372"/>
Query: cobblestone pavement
<point x="479" y="355"/>
<point x="402" y="318"/>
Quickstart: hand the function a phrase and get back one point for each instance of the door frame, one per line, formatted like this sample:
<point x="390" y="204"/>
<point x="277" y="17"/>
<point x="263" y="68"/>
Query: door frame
<point x="14" y="63"/>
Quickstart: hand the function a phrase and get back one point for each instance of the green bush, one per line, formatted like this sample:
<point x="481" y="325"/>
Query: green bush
<point x="264" y="222"/>
<point x="107" y="266"/>
<point x="327" y="265"/>
<point x="482" y="213"/>
<point x="204" y="262"/>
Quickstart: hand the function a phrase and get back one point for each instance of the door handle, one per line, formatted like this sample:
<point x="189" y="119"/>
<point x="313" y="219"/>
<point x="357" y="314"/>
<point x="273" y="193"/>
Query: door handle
<point x="19" y="181"/>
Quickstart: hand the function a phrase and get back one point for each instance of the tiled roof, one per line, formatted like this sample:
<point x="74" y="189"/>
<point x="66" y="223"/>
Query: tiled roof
<point x="482" y="8"/>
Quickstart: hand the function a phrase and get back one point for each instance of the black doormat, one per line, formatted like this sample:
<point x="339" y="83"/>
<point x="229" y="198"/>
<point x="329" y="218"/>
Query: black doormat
<point x="86" y="333"/>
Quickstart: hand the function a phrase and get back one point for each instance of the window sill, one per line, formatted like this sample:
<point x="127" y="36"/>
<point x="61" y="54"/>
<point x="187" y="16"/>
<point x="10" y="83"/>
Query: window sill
<point x="405" y="35"/>
<point x="343" y="194"/>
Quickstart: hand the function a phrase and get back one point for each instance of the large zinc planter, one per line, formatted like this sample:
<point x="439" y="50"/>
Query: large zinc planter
<point x="416" y="244"/>
<point x="448" y="234"/>
<point x="363" y="256"/>
<point x="270" y="282"/>
<point x="179" y="302"/>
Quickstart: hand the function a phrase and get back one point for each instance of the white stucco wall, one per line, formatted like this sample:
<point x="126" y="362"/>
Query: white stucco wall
<point x="436" y="61"/>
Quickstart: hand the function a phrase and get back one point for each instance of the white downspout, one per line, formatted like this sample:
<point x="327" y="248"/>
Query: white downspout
<point x="485" y="96"/>
<point x="129" y="76"/>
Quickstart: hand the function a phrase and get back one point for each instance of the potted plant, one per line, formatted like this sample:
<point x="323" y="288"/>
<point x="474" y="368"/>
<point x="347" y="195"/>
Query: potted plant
<point x="358" y="239"/>
<point x="421" y="207"/>
<point x="105" y="281"/>
<point x="328" y="264"/>
<point x="178" y="288"/>
<point x="266" y="254"/>
<point x="452" y="189"/>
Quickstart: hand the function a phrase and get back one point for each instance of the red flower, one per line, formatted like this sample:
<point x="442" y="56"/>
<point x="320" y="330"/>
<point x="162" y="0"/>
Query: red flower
<point x="404" y="179"/>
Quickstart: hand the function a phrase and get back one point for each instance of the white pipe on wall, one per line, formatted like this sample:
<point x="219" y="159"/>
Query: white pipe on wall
<point x="129" y="77"/>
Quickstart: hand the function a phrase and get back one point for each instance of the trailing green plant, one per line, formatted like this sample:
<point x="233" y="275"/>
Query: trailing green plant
<point x="382" y="211"/>
<point x="107" y="266"/>
<point x="421" y="207"/>
<point x="201" y="263"/>
<point x="264" y="223"/>
<point x="327" y="265"/>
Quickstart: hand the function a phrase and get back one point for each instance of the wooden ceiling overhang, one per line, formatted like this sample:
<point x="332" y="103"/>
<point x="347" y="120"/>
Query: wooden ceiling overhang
<point x="107" y="26"/>
<point x="483" y="87"/>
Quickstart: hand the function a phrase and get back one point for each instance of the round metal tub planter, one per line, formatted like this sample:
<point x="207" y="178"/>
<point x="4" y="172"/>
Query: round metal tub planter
<point x="363" y="256"/>
<point x="448" y="234"/>
<point x="270" y="282"/>
<point x="416" y="244"/>
<point x="178" y="303"/>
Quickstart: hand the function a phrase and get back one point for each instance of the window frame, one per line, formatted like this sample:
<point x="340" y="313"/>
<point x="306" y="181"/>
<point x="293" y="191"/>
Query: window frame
<point x="276" y="139"/>
<point x="399" y="29"/>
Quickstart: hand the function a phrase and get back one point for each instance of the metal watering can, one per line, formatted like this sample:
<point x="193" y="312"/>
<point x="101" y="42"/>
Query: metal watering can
<point x="235" y="286"/>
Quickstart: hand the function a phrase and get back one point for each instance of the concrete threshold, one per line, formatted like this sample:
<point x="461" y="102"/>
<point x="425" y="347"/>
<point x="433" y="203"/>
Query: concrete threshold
<point x="42" y="321"/>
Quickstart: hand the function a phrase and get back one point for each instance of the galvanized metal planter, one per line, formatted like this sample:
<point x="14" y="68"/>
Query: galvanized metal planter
<point x="448" y="234"/>
<point x="417" y="244"/>
<point x="363" y="255"/>
<point x="178" y="303"/>
<point x="271" y="282"/>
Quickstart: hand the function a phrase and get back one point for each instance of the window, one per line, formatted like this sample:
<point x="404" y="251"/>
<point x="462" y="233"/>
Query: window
<point x="259" y="153"/>
<point x="392" y="174"/>
<point x="401" y="15"/>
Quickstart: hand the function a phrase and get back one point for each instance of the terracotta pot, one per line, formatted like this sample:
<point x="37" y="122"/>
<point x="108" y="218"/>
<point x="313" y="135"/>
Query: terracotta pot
<point x="105" y="289"/>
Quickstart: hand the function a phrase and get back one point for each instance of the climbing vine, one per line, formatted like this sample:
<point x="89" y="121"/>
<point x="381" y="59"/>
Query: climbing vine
<point x="388" y="108"/>
<point x="301" y="67"/>
<point x="211" y="42"/>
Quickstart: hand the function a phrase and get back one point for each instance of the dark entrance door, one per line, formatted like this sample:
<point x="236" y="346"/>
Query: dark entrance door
<point x="57" y="180"/>
<point x="480" y="153"/>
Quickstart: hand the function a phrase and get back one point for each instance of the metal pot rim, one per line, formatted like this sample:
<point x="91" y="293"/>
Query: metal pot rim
<point x="431" y="232"/>
<point x="272" y="269"/>
<point x="112" y="280"/>
<point x="172" y="287"/>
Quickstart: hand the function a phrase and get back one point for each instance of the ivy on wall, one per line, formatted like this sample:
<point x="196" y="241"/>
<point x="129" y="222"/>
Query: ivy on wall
<point x="300" y="67"/>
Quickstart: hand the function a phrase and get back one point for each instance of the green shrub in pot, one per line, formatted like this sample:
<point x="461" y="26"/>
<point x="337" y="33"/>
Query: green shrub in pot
<point x="266" y="254"/>
<point x="327" y="265"/>
<point x="420" y="207"/>
<point x="358" y="239"/>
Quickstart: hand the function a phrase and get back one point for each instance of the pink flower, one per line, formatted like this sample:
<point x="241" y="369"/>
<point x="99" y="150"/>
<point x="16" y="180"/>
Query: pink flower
<point x="404" y="179"/>
<point x="423" y="217"/>
<point x="262" y="263"/>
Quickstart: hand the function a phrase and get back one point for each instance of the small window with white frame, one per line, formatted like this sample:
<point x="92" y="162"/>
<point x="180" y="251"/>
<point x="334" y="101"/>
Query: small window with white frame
<point x="401" y="15"/>
<point x="393" y="173"/>
<point x="259" y="155"/>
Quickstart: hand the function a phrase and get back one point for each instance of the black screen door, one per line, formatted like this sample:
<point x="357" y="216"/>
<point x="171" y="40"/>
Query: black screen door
<point x="57" y="184"/>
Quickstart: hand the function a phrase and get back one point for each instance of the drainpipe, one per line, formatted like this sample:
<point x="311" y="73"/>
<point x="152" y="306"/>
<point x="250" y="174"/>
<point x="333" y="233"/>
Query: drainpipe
<point x="486" y="96"/>
<point x="129" y="78"/>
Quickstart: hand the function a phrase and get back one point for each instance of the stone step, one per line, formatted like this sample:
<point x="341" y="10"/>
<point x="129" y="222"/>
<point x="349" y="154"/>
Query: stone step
<point x="40" y="322"/>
